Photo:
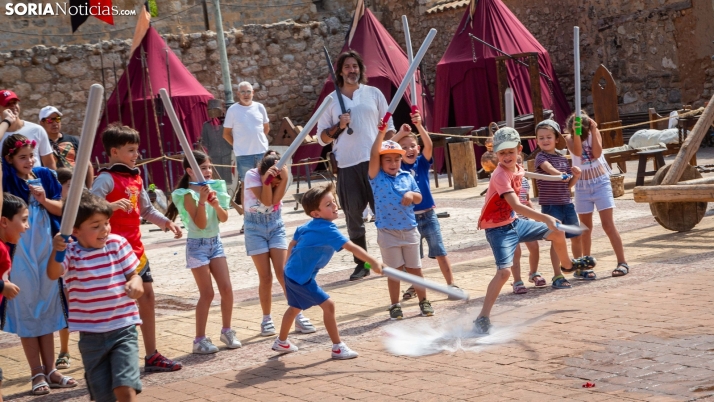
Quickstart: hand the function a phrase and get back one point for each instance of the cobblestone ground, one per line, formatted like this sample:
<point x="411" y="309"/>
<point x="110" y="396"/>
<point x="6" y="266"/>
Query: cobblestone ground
<point x="647" y="336"/>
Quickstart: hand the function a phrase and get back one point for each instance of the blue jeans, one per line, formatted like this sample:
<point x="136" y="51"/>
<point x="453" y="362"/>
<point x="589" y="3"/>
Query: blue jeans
<point x="246" y="162"/>
<point x="504" y="239"/>
<point x="200" y="252"/>
<point x="263" y="232"/>
<point x="430" y="229"/>
<point x="564" y="213"/>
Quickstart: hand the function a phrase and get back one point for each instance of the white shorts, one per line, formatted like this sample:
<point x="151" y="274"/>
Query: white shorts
<point x="399" y="247"/>
<point x="596" y="193"/>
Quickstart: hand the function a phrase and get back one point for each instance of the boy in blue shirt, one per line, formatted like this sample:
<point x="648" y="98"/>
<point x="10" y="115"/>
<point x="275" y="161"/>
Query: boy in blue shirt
<point x="312" y="247"/>
<point x="418" y="164"/>
<point x="395" y="194"/>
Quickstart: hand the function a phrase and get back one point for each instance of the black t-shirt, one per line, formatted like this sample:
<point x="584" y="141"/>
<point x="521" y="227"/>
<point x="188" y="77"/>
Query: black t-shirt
<point x="65" y="150"/>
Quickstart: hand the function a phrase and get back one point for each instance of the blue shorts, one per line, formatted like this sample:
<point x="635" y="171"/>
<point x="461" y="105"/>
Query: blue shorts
<point x="595" y="193"/>
<point x="564" y="213"/>
<point x="430" y="229"/>
<point x="263" y="232"/>
<point x="304" y="296"/>
<point x="200" y="252"/>
<point x="246" y="162"/>
<point x="504" y="239"/>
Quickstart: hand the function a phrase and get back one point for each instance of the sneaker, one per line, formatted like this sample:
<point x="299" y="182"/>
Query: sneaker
<point x="454" y="287"/>
<point x="304" y="326"/>
<point x="267" y="328"/>
<point x="158" y="363"/>
<point x="426" y="309"/>
<point x="204" y="347"/>
<point x="482" y="325"/>
<point x="343" y="352"/>
<point x="229" y="338"/>
<point x="395" y="312"/>
<point x="284" y="347"/>
<point x="360" y="272"/>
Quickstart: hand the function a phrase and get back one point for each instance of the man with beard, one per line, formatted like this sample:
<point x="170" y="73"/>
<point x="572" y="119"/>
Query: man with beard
<point x="64" y="146"/>
<point x="33" y="132"/>
<point x="366" y="106"/>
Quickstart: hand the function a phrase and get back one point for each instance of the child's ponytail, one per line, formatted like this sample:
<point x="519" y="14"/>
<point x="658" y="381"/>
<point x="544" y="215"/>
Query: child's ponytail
<point x="585" y="119"/>
<point x="172" y="211"/>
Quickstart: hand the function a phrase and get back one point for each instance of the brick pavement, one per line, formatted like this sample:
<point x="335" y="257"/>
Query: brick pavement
<point x="641" y="337"/>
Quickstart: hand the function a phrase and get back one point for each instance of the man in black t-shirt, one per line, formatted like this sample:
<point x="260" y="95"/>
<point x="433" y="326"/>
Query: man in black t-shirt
<point x="64" y="147"/>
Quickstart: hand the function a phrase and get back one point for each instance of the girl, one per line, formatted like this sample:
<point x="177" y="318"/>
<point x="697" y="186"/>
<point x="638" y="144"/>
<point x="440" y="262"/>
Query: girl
<point x="204" y="250"/>
<point x="35" y="315"/>
<point x="593" y="190"/>
<point x="265" y="238"/>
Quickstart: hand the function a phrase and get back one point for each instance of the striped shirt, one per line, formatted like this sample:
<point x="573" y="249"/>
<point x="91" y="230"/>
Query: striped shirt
<point x="95" y="280"/>
<point x="553" y="192"/>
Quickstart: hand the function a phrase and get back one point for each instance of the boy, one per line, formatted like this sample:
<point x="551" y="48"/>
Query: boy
<point x="312" y="247"/>
<point x="121" y="185"/>
<point x="99" y="270"/>
<point x="504" y="230"/>
<point x="395" y="194"/>
<point x="418" y="164"/>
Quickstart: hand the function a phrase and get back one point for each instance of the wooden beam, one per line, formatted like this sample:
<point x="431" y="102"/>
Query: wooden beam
<point x="675" y="193"/>
<point x="694" y="182"/>
<point x="691" y="145"/>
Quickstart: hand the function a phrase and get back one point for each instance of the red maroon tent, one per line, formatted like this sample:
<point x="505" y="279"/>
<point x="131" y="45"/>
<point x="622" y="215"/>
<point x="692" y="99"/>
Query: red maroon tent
<point x="467" y="90"/>
<point x="188" y="96"/>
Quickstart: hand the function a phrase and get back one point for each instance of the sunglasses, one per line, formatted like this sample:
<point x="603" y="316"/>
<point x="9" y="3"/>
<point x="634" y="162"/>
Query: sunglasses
<point x="52" y="119"/>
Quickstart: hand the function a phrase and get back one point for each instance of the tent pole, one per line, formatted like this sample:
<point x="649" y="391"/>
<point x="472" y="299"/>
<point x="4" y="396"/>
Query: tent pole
<point x="116" y="89"/>
<point x="225" y="72"/>
<point x="168" y="79"/>
<point x="104" y="83"/>
<point x="147" y="78"/>
<point x="131" y="101"/>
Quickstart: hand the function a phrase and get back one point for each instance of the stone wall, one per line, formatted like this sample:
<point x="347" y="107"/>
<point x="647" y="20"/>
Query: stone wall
<point x="283" y="61"/>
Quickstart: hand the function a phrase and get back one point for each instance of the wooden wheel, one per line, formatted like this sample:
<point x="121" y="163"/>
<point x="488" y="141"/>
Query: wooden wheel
<point x="678" y="216"/>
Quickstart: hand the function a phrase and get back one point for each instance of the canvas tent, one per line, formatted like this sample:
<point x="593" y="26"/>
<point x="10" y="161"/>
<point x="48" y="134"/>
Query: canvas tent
<point x="188" y="96"/>
<point x="467" y="83"/>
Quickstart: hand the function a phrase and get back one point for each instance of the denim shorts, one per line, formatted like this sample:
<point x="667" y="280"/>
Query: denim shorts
<point x="564" y="213"/>
<point x="504" y="239"/>
<point x="430" y="229"/>
<point x="263" y="232"/>
<point x="246" y="162"/>
<point x="595" y="193"/>
<point x="110" y="360"/>
<point x="200" y="252"/>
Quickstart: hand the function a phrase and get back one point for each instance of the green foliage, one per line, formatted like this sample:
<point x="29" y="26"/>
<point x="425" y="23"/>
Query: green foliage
<point x="153" y="8"/>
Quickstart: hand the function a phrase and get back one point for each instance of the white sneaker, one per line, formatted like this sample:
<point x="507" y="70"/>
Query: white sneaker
<point x="284" y="347"/>
<point x="343" y="352"/>
<point x="204" y="347"/>
<point x="267" y="328"/>
<point x="229" y="338"/>
<point x="304" y="326"/>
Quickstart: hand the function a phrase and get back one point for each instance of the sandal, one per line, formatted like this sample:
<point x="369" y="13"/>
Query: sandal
<point x="409" y="294"/>
<point x="537" y="278"/>
<point x="63" y="382"/>
<point x="519" y="288"/>
<point x="585" y="274"/>
<point x="559" y="282"/>
<point x="36" y="388"/>
<point x="587" y="261"/>
<point x="621" y="270"/>
<point x="63" y="361"/>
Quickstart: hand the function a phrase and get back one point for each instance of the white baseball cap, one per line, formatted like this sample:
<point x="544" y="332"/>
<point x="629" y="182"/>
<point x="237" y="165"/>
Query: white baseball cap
<point x="46" y="111"/>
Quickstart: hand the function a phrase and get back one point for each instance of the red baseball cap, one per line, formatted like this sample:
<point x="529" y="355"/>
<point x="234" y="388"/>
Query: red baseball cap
<point x="6" y="96"/>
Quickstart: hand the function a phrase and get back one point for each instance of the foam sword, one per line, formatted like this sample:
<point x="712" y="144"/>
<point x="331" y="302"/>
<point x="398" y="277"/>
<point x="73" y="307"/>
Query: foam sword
<point x="418" y="281"/>
<point x="410" y="56"/>
<point x="407" y="79"/>
<point x="331" y="68"/>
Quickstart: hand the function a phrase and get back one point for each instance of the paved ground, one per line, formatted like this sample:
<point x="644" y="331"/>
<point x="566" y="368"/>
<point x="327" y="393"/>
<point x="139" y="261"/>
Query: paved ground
<point x="647" y="336"/>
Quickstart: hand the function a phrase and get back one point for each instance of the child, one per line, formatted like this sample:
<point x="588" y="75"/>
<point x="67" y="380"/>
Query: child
<point x="312" y="247"/>
<point x="533" y="251"/>
<point x="265" y="238"/>
<point x="395" y="194"/>
<point x="554" y="196"/>
<point x="504" y="230"/>
<point x="121" y="185"/>
<point x="64" y="176"/>
<point x="34" y="315"/>
<point x="594" y="189"/>
<point x="100" y="272"/>
<point x="204" y="249"/>
<point x="427" y="223"/>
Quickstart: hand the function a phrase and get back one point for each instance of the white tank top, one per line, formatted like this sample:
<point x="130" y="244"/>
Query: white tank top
<point x="591" y="167"/>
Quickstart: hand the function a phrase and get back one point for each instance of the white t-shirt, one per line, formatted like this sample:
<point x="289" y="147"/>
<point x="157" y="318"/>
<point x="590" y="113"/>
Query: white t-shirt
<point x="368" y="105"/>
<point x="252" y="203"/>
<point x="34" y="132"/>
<point x="247" y="125"/>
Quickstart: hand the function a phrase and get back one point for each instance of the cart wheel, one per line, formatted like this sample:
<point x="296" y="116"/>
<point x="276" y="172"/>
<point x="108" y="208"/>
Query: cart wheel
<point x="678" y="216"/>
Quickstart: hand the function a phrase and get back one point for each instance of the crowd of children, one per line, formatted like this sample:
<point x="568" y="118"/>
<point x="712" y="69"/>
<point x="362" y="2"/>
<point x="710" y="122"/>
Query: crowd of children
<point x="103" y="287"/>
